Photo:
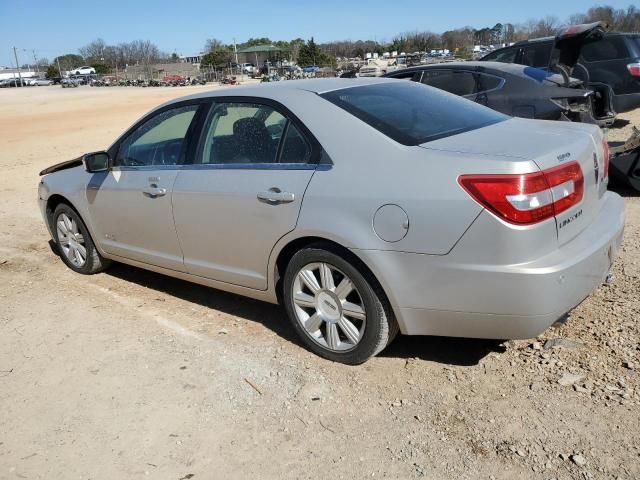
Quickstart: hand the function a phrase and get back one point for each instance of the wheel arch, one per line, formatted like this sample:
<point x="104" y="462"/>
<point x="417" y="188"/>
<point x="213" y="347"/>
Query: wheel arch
<point x="52" y="203"/>
<point x="289" y="249"/>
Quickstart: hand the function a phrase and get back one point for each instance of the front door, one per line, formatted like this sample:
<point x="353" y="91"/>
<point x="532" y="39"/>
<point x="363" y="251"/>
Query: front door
<point x="242" y="193"/>
<point x="130" y="206"/>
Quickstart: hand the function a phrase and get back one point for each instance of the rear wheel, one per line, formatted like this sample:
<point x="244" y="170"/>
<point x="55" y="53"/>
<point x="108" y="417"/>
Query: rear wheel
<point x="75" y="245"/>
<point x="334" y="309"/>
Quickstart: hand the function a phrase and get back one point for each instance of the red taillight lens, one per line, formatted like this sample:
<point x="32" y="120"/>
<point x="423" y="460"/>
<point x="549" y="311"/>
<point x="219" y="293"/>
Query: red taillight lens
<point x="634" y="69"/>
<point x="527" y="198"/>
<point x="605" y="156"/>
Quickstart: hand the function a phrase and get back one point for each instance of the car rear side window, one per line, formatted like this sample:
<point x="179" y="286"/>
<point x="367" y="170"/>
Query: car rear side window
<point x="488" y="82"/>
<point x="606" y="49"/>
<point x="241" y="133"/>
<point x="456" y="82"/>
<point x="411" y="113"/>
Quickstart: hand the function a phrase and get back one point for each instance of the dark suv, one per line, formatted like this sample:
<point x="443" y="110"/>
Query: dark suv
<point x="613" y="60"/>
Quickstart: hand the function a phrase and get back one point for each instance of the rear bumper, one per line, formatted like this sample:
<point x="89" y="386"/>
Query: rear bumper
<point x="626" y="102"/>
<point x="452" y="296"/>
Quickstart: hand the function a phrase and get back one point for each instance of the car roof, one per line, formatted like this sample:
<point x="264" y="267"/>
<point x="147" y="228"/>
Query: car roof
<point x="267" y="90"/>
<point x="512" y="68"/>
<point x="552" y="39"/>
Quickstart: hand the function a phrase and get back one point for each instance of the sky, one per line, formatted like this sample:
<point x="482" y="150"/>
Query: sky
<point x="54" y="27"/>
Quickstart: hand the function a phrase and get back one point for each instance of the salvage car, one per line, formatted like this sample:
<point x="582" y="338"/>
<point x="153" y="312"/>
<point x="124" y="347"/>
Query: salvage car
<point x="86" y="70"/>
<point x="69" y="83"/>
<point x="606" y="62"/>
<point x="449" y="218"/>
<point x="42" y="82"/>
<point x="516" y="90"/>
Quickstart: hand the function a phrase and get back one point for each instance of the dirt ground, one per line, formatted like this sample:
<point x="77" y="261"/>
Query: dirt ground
<point x="129" y="374"/>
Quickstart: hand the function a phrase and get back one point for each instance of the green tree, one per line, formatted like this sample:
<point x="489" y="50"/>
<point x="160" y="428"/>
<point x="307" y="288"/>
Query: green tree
<point x="101" y="68"/>
<point x="68" y="61"/>
<point x="52" y="71"/>
<point x="252" y="42"/>
<point x="220" y="57"/>
<point x="310" y="54"/>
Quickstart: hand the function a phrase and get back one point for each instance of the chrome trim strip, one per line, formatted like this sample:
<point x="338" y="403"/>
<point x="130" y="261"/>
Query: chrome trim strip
<point x="228" y="166"/>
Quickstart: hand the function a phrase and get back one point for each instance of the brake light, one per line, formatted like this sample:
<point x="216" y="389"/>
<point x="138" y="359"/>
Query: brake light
<point x="528" y="198"/>
<point x="634" y="69"/>
<point x="605" y="156"/>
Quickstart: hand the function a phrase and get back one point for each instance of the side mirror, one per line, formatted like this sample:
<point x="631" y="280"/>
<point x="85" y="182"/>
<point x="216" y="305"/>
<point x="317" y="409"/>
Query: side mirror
<point x="96" y="162"/>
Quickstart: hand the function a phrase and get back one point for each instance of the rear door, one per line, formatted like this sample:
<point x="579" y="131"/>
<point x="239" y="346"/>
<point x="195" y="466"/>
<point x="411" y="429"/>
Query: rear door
<point x="243" y="191"/>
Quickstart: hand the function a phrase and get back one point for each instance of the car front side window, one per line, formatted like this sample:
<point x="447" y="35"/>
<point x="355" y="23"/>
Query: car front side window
<point x="158" y="141"/>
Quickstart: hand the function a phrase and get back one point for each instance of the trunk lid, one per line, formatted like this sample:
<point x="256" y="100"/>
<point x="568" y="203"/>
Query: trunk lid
<point x="569" y="43"/>
<point x="548" y="144"/>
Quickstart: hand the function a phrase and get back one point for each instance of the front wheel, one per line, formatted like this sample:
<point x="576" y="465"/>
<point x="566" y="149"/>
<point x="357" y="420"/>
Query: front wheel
<point x="335" y="309"/>
<point x="74" y="243"/>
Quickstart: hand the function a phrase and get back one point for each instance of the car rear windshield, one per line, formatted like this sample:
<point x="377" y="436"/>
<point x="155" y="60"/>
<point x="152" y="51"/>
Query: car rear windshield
<point x="411" y="113"/>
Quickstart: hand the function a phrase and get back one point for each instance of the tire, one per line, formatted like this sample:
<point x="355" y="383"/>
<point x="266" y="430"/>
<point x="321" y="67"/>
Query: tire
<point x="69" y="235"/>
<point x="328" y="308"/>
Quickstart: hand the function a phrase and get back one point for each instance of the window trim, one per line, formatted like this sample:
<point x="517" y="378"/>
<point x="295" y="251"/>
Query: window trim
<point x="499" y="87"/>
<point x="115" y="147"/>
<point x="318" y="155"/>
<point x="319" y="159"/>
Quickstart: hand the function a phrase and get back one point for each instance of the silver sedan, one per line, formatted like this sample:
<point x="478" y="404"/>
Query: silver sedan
<point x="365" y="206"/>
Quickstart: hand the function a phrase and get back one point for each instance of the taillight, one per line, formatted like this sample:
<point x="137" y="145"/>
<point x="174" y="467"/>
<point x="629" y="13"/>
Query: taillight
<point x="605" y="156"/>
<point x="634" y="69"/>
<point x="527" y="198"/>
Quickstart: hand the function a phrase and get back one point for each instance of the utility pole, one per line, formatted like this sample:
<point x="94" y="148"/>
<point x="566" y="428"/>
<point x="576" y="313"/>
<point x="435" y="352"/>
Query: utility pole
<point x="15" y="54"/>
<point x="59" y="69"/>
<point x="235" y="50"/>
<point x="35" y="60"/>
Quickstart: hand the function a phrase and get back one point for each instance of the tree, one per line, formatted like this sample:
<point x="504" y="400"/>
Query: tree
<point x="217" y="58"/>
<point x="52" y="71"/>
<point x="68" y="61"/>
<point x="294" y="48"/>
<point x="101" y="68"/>
<point x="94" y="51"/>
<point x="212" y="44"/>
<point x="310" y="54"/>
<point x="252" y="42"/>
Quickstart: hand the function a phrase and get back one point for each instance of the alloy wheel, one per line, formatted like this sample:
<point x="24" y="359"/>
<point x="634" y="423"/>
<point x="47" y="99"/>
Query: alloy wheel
<point x="329" y="307"/>
<point x="71" y="240"/>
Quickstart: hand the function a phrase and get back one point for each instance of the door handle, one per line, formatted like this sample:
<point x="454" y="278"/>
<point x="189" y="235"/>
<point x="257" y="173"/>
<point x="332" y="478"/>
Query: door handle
<point x="275" y="196"/>
<point x="153" y="191"/>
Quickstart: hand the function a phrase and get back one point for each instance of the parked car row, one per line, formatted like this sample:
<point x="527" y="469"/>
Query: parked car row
<point x="607" y="62"/>
<point x="545" y="79"/>
<point x="25" y="82"/>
